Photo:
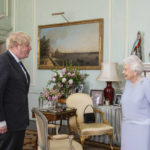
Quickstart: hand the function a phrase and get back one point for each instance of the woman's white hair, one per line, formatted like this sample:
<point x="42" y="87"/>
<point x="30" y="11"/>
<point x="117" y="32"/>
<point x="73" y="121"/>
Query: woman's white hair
<point x="135" y="63"/>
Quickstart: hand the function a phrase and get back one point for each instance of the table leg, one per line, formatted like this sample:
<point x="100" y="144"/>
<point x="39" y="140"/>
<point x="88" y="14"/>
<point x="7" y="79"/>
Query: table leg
<point x="60" y="125"/>
<point x="69" y="129"/>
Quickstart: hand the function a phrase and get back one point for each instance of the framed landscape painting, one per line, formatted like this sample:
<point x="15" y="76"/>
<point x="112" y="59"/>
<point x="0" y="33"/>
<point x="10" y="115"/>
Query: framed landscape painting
<point x="79" y="43"/>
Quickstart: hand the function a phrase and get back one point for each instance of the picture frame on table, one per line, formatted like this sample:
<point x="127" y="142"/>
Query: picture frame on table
<point x="97" y="97"/>
<point x="117" y="100"/>
<point x="146" y="72"/>
<point x="60" y="44"/>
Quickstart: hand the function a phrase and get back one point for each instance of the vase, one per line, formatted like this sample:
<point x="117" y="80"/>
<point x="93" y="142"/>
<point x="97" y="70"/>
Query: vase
<point x="109" y="93"/>
<point x="45" y="103"/>
<point x="40" y="102"/>
<point x="51" y="104"/>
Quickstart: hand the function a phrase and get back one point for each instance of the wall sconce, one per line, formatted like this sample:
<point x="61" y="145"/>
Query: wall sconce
<point x="61" y="14"/>
<point x="109" y="73"/>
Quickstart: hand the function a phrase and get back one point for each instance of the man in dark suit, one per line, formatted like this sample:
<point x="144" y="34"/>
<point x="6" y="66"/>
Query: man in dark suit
<point x="14" y="86"/>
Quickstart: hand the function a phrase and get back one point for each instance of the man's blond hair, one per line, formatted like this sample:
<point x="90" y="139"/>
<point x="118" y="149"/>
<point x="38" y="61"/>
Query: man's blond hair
<point x="17" y="38"/>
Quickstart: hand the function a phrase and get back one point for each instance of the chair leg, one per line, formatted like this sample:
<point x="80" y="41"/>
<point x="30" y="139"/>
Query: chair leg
<point x="111" y="140"/>
<point x="82" y="139"/>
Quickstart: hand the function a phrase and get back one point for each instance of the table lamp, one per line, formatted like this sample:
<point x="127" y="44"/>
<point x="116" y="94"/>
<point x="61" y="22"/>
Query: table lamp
<point x="109" y="73"/>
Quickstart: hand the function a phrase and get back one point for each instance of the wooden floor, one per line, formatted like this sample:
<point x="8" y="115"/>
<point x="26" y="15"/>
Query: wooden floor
<point x="30" y="140"/>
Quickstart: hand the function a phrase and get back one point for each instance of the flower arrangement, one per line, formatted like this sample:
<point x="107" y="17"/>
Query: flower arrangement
<point x="50" y="95"/>
<point x="48" y="98"/>
<point x="67" y="80"/>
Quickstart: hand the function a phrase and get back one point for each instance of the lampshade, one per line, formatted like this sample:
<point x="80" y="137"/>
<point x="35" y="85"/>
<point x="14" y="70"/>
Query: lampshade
<point x="109" y="72"/>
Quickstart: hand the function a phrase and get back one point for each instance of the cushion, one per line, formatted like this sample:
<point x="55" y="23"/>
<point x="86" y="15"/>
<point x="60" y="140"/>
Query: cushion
<point x="95" y="129"/>
<point x="59" y="136"/>
<point x="64" y="145"/>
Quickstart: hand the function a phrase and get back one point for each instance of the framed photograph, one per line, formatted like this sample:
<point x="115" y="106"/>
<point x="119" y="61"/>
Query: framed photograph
<point x="117" y="100"/>
<point x="79" y="43"/>
<point x="97" y="97"/>
<point x="146" y="72"/>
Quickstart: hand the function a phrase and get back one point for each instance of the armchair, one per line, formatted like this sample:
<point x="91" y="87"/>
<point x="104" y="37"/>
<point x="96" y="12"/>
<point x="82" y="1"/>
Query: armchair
<point x="56" y="142"/>
<point x="84" y="130"/>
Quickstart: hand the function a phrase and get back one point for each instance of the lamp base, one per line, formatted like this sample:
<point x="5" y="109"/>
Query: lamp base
<point x="109" y="93"/>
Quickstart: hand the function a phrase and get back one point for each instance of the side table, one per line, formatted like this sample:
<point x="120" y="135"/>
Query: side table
<point x="58" y="114"/>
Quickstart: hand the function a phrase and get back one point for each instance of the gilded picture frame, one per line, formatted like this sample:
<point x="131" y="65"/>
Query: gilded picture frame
<point x="79" y="43"/>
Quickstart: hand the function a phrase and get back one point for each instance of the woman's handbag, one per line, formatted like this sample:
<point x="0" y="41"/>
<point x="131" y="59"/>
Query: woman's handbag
<point x="89" y="117"/>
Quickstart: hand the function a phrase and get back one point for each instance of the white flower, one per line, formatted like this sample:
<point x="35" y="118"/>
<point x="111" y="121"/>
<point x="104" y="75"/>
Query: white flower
<point x="55" y="74"/>
<point x="63" y="80"/>
<point x="69" y="74"/>
<point x="61" y="75"/>
<point x="73" y="74"/>
<point x="54" y="79"/>
<point x="70" y="81"/>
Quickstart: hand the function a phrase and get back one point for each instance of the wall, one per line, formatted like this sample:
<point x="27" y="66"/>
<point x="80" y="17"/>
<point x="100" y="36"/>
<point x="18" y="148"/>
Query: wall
<point x="122" y="20"/>
<point x="5" y="19"/>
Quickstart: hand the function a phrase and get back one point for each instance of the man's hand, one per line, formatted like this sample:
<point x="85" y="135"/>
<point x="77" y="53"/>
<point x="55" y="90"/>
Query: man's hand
<point x="3" y="129"/>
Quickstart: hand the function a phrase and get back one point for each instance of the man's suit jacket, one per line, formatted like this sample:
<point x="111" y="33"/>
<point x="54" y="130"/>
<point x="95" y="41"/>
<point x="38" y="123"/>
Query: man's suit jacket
<point x="13" y="93"/>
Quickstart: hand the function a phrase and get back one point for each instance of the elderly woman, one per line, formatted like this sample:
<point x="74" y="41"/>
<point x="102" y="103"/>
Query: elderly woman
<point x="135" y="107"/>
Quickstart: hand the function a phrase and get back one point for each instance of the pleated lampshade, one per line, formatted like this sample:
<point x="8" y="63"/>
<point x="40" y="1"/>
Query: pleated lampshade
<point x="109" y="72"/>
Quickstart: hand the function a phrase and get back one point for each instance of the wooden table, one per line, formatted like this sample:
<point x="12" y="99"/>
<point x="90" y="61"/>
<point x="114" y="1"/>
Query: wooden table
<point x="58" y="114"/>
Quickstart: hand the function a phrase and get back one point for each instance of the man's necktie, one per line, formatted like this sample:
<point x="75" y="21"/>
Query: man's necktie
<point x="20" y="64"/>
<point x="24" y="71"/>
